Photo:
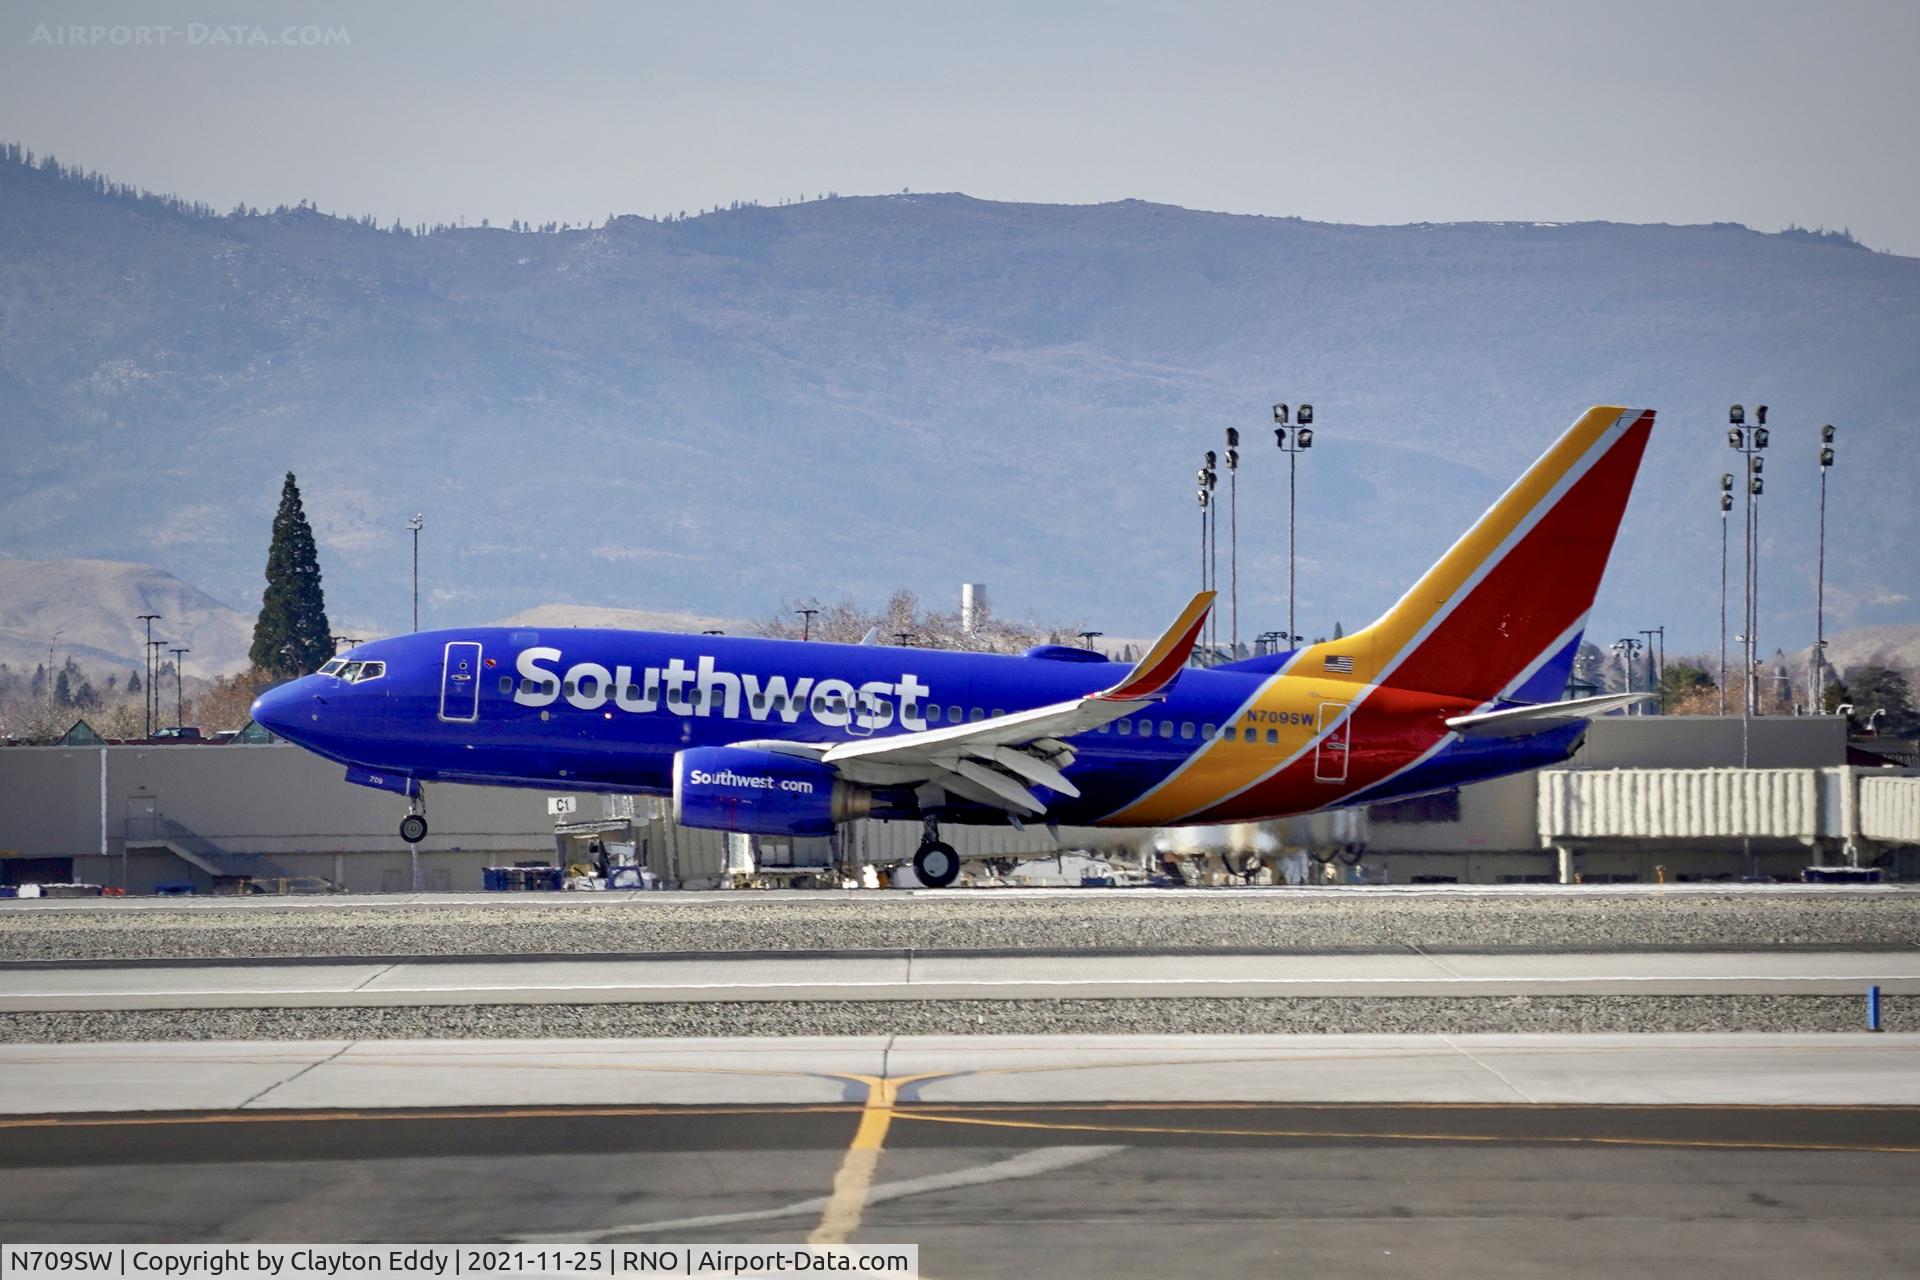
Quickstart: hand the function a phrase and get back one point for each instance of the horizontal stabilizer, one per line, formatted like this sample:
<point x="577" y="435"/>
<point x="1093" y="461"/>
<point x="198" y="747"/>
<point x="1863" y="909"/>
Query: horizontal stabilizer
<point x="1516" y="722"/>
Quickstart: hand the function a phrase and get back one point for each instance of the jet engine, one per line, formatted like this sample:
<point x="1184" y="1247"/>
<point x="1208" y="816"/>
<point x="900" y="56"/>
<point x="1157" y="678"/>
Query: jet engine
<point x="764" y="792"/>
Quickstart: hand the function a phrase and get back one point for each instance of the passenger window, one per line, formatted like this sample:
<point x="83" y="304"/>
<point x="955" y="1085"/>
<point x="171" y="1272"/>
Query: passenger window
<point x="1186" y="728"/>
<point x="566" y="688"/>
<point x="1206" y="730"/>
<point x="1146" y="728"/>
<point x="977" y="715"/>
<point x="1166" y="728"/>
<point x="1126" y="727"/>
<point x="698" y="695"/>
<point x="997" y="713"/>
<point x="953" y="715"/>
<point x="506" y="684"/>
<point x="527" y="685"/>
<point x="1106" y="728"/>
<point x="550" y="688"/>
<point x="1273" y="737"/>
<point x="933" y="713"/>
<point x="779" y="702"/>
<point x="759" y="702"/>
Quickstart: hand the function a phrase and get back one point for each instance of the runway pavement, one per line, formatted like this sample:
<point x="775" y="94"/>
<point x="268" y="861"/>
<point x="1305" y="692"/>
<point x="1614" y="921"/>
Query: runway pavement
<point x="1748" y="1156"/>
<point x="1076" y="1181"/>
<point x="905" y="975"/>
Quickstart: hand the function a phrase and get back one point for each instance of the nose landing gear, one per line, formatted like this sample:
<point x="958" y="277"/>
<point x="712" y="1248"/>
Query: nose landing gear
<point x="935" y="863"/>
<point x="413" y="827"/>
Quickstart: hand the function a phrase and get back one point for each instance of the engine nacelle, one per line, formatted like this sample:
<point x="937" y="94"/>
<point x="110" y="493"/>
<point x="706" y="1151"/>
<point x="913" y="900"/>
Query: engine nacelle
<point x="741" y="789"/>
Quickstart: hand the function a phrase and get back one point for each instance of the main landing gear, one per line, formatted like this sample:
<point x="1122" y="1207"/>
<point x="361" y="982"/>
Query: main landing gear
<point x="413" y="827"/>
<point x="935" y="863"/>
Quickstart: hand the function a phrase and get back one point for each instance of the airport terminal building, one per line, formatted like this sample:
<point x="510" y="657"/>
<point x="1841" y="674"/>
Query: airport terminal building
<point x="1647" y="799"/>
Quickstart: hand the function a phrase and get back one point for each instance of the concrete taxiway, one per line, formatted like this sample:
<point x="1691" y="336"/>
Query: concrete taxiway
<point x="905" y="975"/>
<point x="1638" y="1070"/>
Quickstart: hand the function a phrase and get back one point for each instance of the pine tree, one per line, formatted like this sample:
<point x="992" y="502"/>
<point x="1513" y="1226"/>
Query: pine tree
<point x="292" y="636"/>
<point x="133" y="682"/>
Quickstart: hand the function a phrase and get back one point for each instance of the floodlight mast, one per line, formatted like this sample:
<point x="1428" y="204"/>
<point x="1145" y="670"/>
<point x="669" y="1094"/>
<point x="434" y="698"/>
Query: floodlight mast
<point x="1291" y="439"/>
<point x="1726" y="505"/>
<point x="1816" y="691"/>
<point x="149" y="619"/>
<point x="416" y="524"/>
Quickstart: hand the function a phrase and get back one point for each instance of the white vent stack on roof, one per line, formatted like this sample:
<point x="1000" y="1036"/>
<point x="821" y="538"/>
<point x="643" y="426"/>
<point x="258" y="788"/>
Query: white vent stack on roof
<point x="973" y="605"/>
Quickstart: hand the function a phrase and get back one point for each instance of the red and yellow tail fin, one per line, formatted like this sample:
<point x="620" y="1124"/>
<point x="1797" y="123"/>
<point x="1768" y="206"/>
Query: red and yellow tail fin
<point x="1520" y="580"/>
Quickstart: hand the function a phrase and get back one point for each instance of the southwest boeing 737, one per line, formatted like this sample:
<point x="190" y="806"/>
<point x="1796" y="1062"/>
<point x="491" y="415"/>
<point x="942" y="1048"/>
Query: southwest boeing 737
<point x="1458" y="682"/>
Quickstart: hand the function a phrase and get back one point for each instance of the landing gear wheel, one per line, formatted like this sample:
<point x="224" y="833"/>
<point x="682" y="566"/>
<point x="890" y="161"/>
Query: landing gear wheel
<point x="936" y="865"/>
<point x="413" y="828"/>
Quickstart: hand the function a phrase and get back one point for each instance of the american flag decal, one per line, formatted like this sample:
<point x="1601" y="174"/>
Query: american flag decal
<point x="1340" y="664"/>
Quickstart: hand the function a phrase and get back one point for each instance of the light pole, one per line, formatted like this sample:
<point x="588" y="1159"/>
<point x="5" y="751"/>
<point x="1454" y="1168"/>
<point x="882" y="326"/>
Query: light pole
<point x="179" y="693"/>
<point x="1204" y="481"/>
<point x="1088" y="637"/>
<point x="1291" y="442"/>
<point x="1656" y="665"/>
<point x="50" y="643"/>
<point x="153" y="661"/>
<point x="806" y="625"/>
<point x="1816" y="695"/>
<point x="1213" y="556"/>
<point x="1726" y="505"/>
<point x="1233" y="538"/>
<point x="147" y="659"/>
<point x="1625" y="647"/>
<point x="416" y="524"/>
<point x="348" y="641"/>
<point x="1748" y="441"/>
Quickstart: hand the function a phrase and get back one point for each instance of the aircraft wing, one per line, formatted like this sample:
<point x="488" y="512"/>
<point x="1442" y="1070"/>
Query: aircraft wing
<point x="996" y="761"/>
<point x="1518" y="721"/>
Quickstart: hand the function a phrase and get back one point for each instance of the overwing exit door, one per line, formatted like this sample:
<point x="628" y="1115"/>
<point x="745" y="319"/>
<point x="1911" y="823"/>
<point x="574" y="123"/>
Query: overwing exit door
<point x="460" y="682"/>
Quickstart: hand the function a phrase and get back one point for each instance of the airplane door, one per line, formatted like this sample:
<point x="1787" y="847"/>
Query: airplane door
<point x="460" y="683"/>
<point x="1330" y="752"/>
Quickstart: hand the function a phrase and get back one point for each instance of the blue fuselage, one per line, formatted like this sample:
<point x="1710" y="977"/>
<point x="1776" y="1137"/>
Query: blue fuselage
<point x="602" y="710"/>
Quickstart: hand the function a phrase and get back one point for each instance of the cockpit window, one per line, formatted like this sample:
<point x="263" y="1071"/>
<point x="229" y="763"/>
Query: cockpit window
<point x="370" y="671"/>
<point x="349" y="672"/>
<point x="332" y="665"/>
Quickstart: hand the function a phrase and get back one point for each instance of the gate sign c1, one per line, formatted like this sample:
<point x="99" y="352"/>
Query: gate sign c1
<point x="560" y="806"/>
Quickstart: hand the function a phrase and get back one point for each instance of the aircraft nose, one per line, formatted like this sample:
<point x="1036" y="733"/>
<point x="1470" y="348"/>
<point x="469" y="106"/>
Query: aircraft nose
<point x="280" y="709"/>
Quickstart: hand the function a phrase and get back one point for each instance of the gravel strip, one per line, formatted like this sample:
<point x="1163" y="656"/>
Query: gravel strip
<point x="1373" y="1015"/>
<point x="1549" y="921"/>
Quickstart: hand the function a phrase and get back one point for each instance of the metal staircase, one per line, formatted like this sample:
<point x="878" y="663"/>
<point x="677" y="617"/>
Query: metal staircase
<point x="196" y="850"/>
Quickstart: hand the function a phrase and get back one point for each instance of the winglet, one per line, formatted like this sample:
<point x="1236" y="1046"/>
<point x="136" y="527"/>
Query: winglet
<point x="1169" y="654"/>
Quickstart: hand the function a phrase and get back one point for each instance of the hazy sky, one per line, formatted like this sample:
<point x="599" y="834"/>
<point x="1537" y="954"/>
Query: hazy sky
<point x="1755" y="112"/>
